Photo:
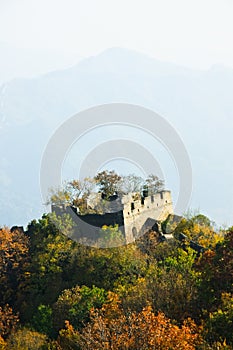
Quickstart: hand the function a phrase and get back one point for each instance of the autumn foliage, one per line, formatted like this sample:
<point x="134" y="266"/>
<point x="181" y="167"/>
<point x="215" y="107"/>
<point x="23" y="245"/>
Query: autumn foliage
<point x="113" y="328"/>
<point x="57" y="294"/>
<point x="8" y="321"/>
<point x="14" y="258"/>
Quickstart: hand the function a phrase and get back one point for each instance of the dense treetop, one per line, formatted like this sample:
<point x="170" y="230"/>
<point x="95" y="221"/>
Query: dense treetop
<point x="108" y="183"/>
<point x="58" y="294"/>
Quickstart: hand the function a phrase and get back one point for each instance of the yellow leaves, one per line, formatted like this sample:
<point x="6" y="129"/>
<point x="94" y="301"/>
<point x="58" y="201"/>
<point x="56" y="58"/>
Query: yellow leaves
<point x="13" y="245"/>
<point x="8" y="321"/>
<point x="68" y="331"/>
<point x="209" y="239"/>
<point x="112" y="328"/>
<point x="13" y="260"/>
<point x="112" y="307"/>
<point x="25" y="339"/>
<point x="2" y="343"/>
<point x="199" y="230"/>
<point x="59" y="196"/>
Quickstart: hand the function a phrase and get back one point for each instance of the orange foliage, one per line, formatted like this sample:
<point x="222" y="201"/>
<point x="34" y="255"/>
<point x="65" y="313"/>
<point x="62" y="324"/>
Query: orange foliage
<point x="8" y="321"/>
<point x="13" y="257"/>
<point x="112" y="328"/>
<point x="13" y="246"/>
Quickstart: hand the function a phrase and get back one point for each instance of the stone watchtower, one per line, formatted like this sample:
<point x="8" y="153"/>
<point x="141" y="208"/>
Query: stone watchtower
<point x="141" y="213"/>
<point x="135" y="214"/>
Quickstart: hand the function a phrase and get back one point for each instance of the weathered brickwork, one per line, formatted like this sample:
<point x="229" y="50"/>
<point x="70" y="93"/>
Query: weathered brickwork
<point x="134" y="214"/>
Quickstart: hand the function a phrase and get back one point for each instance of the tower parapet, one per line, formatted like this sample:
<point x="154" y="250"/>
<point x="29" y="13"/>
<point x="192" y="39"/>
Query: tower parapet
<point x="133" y="213"/>
<point x="140" y="214"/>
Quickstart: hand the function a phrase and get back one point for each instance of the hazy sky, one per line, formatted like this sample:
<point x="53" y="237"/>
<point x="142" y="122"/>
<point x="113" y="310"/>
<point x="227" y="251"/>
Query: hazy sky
<point x="195" y="33"/>
<point x="191" y="32"/>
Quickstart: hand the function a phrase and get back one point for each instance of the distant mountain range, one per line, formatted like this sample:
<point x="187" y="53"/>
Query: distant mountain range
<point x="16" y="62"/>
<point x="199" y="105"/>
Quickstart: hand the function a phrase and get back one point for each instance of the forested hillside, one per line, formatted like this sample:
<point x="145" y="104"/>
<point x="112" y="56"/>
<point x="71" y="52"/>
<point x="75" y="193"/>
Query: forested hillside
<point x="58" y="294"/>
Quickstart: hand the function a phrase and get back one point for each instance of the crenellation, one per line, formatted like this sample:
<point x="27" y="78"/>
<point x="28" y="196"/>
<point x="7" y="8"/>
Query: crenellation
<point x="155" y="207"/>
<point x="135" y="214"/>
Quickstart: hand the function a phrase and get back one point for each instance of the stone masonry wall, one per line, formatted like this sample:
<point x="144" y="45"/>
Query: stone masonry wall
<point x="137" y="217"/>
<point x="140" y="215"/>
